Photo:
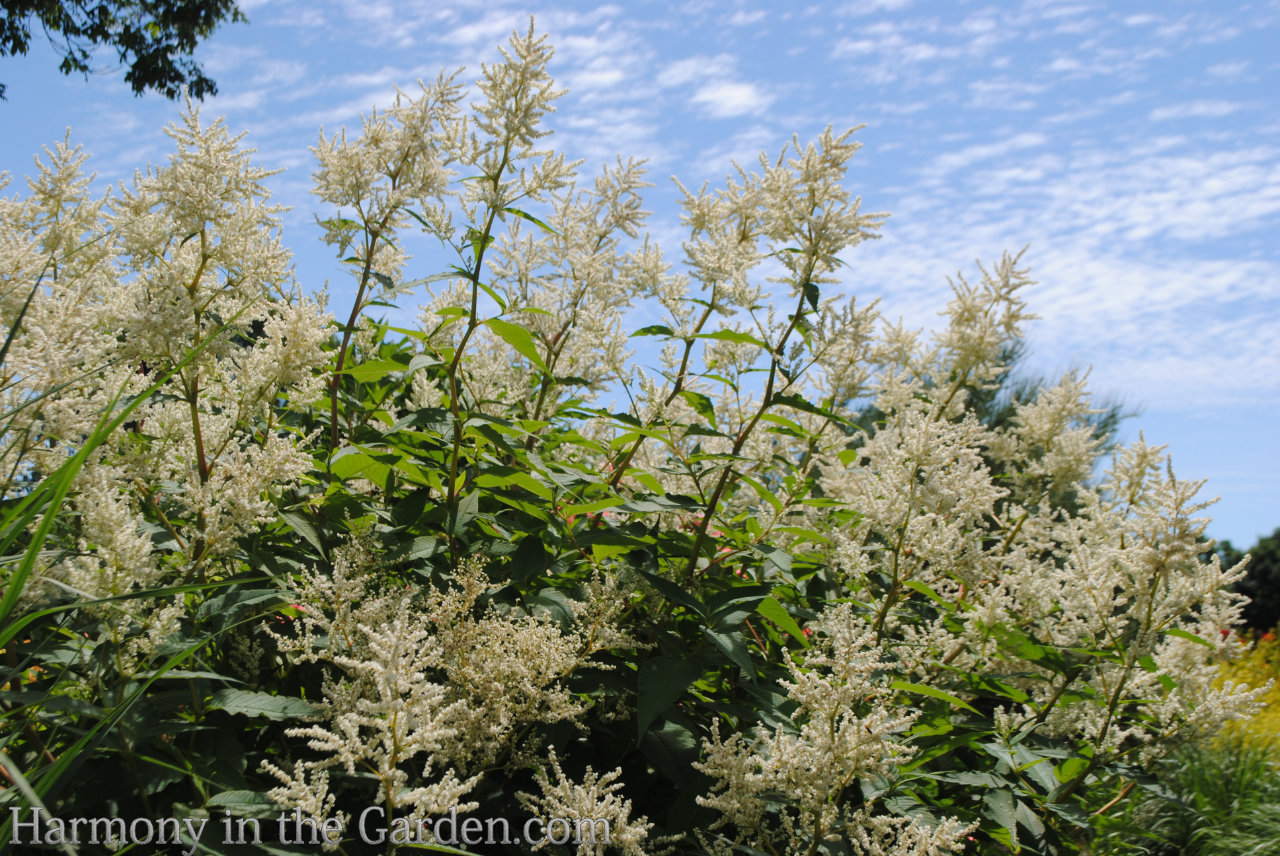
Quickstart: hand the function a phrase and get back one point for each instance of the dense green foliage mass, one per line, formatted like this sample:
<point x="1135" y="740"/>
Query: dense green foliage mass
<point x="1212" y="799"/>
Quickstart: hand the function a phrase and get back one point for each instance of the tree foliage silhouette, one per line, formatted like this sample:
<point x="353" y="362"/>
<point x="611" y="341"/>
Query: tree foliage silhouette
<point x="153" y="38"/>
<point x="1262" y="584"/>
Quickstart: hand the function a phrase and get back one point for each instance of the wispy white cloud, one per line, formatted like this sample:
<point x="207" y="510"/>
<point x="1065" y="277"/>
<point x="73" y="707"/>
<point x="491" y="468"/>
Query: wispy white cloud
<point x="743" y="148"/>
<point x="888" y="40"/>
<point x="682" y="72"/>
<point x="718" y="91"/>
<point x="1227" y="69"/>
<point x="486" y="30"/>
<point x="1065" y="64"/>
<point x="745" y="18"/>
<point x="1140" y="20"/>
<point x="967" y="157"/>
<point x="1123" y="246"/>
<point x="1195" y="110"/>
<point x="901" y="108"/>
<point x="867" y="7"/>
<point x="606" y="132"/>
<point x="1004" y="94"/>
<point x="724" y="99"/>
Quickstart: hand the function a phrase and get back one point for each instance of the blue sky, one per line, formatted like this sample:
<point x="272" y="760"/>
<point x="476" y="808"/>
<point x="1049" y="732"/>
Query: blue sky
<point x="1133" y="146"/>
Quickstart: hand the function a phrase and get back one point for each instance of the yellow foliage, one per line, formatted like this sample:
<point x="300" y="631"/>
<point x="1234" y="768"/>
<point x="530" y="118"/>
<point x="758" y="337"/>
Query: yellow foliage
<point x="1255" y="667"/>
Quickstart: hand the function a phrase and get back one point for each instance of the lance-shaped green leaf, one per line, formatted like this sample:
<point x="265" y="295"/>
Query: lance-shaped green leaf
<point x="525" y="215"/>
<point x="518" y="338"/>
<point x="374" y="370"/>
<point x="701" y="404"/>
<point x="261" y="704"/>
<point x="733" y="336"/>
<point x="1189" y="636"/>
<point x="660" y="683"/>
<point x="654" y="330"/>
<point x="771" y="609"/>
<point x="932" y="692"/>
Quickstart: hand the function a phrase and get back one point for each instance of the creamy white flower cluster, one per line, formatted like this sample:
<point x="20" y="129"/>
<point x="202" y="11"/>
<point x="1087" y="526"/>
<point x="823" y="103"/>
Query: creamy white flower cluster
<point x="182" y="275"/>
<point x="1038" y="548"/>
<point x="845" y="734"/>
<point x="595" y="799"/>
<point x="1002" y="523"/>
<point x="426" y="695"/>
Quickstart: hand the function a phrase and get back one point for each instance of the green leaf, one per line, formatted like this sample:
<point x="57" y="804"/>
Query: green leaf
<point x="811" y="294"/>
<point x="518" y="338"/>
<point x="497" y="298"/>
<point x="673" y="750"/>
<point x="529" y="560"/>
<point x="763" y="492"/>
<point x="1000" y="809"/>
<point x="771" y="609"/>
<point x="654" y="330"/>
<point x="593" y="507"/>
<point x="1029" y="820"/>
<point x="1190" y="637"/>
<point x="421" y="361"/>
<point x="525" y="215"/>
<point x="1070" y="768"/>
<point x="776" y="558"/>
<point x="728" y="599"/>
<point x="642" y="504"/>
<point x="701" y="404"/>
<point x="733" y="336"/>
<point x="675" y="593"/>
<point x="245" y="803"/>
<point x="468" y="508"/>
<point x="415" y="215"/>
<point x="500" y="477"/>
<point x="660" y="683"/>
<point x="224" y="608"/>
<point x="351" y="461"/>
<point x="1038" y="767"/>
<point x="300" y="524"/>
<point x="797" y="402"/>
<point x="735" y="648"/>
<point x="932" y="692"/>
<point x="972" y="778"/>
<point x="373" y="370"/>
<point x="704" y="431"/>
<point x="553" y="603"/>
<point x="645" y="478"/>
<point x="795" y="429"/>
<point x="727" y="616"/>
<point x="992" y="684"/>
<point x="261" y="704"/>
<point x="924" y="589"/>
